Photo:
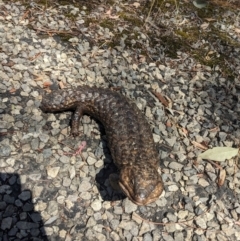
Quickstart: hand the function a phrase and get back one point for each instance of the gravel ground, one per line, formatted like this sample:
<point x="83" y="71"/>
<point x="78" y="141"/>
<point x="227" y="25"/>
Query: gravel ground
<point x="46" y="194"/>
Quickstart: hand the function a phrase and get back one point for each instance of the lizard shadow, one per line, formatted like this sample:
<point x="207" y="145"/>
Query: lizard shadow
<point x="102" y="178"/>
<point x="18" y="218"/>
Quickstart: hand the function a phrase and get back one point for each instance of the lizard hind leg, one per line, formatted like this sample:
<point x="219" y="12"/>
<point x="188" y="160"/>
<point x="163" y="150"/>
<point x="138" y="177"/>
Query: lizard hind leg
<point x="78" y="113"/>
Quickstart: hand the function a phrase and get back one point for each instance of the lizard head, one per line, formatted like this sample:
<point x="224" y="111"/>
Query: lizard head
<point x="141" y="184"/>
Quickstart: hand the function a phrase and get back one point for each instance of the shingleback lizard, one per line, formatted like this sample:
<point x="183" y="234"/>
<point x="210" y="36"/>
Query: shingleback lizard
<point x="129" y="136"/>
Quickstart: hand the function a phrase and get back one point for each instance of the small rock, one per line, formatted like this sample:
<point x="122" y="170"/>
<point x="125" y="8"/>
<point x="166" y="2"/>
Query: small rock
<point x="72" y="172"/>
<point x="6" y="223"/>
<point x="26" y="225"/>
<point x="170" y="228"/>
<point x="129" y="206"/>
<point x="96" y="205"/>
<point x="173" y="188"/>
<point x="66" y="182"/>
<point x="52" y="171"/>
<point x="171" y="141"/>
<point x="52" y="208"/>
<point x="85" y="186"/>
<point x="175" y="166"/>
<point x="51" y="220"/>
<point x="91" y="160"/>
<point x="91" y="222"/>
<point x="126" y="225"/>
<point x="5" y="150"/>
<point x="201" y="223"/>
<point x="35" y="176"/>
<point x="62" y="233"/>
<point x="182" y="214"/>
<point x="25" y="195"/>
<point x="203" y="182"/>
<point x="171" y="217"/>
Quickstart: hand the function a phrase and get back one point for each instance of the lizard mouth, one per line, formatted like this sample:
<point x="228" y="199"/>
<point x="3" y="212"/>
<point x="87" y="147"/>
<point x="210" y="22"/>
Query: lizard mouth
<point x="143" y="195"/>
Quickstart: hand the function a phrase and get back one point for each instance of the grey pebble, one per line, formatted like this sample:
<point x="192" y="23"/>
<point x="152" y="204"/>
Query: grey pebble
<point x="44" y="137"/>
<point x="175" y="166"/>
<point x="118" y="210"/>
<point x="25" y="195"/>
<point x="6" y="223"/>
<point x="201" y="223"/>
<point x="114" y="223"/>
<point x="18" y="203"/>
<point x="91" y="160"/>
<point x="85" y="186"/>
<point x="64" y="159"/>
<point x="171" y="217"/>
<point x="47" y="153"/>
<point x="5" y="150"/>
<point x="147" y="237"/>
<point x="129" y="206"/>
<point x="35" y="176"/>
<point x="179" y="236"/>
<point x="8" y="199"/>
<point x="66" y="182"/>
<point x="171" y="141"/>
<point x="35" y="143"/>
<point x="52" y="208"/>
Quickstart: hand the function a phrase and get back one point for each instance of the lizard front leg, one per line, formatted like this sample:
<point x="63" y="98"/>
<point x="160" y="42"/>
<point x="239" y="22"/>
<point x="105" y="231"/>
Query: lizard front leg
<point x="75" y="120"/>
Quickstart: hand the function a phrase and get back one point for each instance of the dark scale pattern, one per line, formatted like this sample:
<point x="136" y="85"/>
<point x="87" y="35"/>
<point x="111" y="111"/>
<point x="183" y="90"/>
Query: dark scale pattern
<point x="129" y="136"/>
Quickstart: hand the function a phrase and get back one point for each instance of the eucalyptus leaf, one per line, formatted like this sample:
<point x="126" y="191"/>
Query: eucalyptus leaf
<point x="219" y="154"/>
<point x="200" y="3"/>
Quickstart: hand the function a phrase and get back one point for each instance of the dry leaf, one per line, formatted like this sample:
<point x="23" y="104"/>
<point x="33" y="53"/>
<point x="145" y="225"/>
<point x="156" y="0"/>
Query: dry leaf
<point x="219" y="153"/>
<point x="210" y="19"/>
<point x="109" y="11"/>
<point x="46" y="84"/>
<point x="25" y="15"/>
<point x="199" y="145"/>
<point x="9" y="64"/>
<point x="13" y="90"/>
<point x="35" y="56"/>
<point x="237" y="30"/>
<point x="204" y="25"/>
<point x="204" y="144"/>
<point x="39" y="77"/>
<point x="211" y="52"/>
<point x="185" y="131"/>
<point x="214" y="129"/>
<point x="61" y="85"/>
<point x="136" y="4"/>
<point x="161" y="98"/>
<point x="110" y="15"/>
<point x="113" y="16"/>
<point x="168" y="123"/>
<point x="221" y="177"/>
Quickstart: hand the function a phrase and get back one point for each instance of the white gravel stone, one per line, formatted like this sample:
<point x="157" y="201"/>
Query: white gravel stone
<point x="96" y="205"/>
<point x="53" y="171"/>
<point x="201" y="223"/>
<point x="175" y="166"/>
<point x="91" y="160"/>
<point x="203" y="182"/>
<point x="182" y="214"/>
<point x="126" y="225"/>
<point x="173" y="188"/>
<point x="129" y="206"/>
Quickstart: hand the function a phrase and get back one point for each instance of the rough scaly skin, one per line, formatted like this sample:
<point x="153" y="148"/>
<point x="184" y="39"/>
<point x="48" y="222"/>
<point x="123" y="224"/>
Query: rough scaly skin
<point x="129" y="136"/>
